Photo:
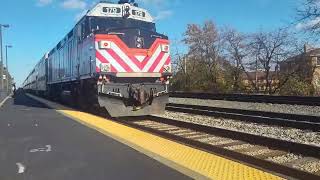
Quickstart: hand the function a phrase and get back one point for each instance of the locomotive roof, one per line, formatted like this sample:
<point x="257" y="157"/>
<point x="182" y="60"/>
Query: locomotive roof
<point x="107" y="9"/>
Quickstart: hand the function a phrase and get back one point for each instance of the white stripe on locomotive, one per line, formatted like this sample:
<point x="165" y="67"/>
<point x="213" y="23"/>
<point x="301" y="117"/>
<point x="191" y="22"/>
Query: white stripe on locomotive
<point x="112" y="61"/>
<point x="125" y="58"/>
<point x="152" y="60"/>
<point x="162" y="62"/>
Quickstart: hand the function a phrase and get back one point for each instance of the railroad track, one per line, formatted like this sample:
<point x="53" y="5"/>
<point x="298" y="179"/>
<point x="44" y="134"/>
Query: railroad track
<point x="290" y="159"/>
<point x="293" y="100"/>
<point x="270" y="118"/>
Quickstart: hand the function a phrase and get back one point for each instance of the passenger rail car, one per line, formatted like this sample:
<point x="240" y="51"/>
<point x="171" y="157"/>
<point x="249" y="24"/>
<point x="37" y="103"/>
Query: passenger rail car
<point x="113" y="58"/>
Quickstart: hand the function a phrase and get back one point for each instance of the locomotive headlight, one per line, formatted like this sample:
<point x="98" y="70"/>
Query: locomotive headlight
<point x="139" y="45"/>
<point x="105" y="67"/>
<point x="126" y="10"/>
<point x="105" y="44"/>
<point x="139" y="42"/>
<point x="165" y="48"/>
<point x="139" y="39"/>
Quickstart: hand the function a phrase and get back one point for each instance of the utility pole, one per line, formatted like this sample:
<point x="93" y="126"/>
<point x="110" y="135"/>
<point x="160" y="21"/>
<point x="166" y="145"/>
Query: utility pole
<point x="185" y="71"/>
<point x="1" y="62"/>
<point x="7" y="75"/>
<point x="1" y="53"/>
<point x="185" y="65"/>
<point x="256" y="76"/>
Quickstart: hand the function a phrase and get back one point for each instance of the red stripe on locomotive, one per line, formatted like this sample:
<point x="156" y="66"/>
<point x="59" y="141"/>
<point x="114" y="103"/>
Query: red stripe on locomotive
<point x="121" y="62"/>
<point x="129" y="55"/>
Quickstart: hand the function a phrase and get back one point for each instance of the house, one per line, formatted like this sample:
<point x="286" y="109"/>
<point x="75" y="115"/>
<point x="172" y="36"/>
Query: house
<point x="258" y="79"/>
<point x="305" y="65"/>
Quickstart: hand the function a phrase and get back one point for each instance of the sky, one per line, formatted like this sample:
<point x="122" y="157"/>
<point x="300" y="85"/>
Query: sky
<point x="36" y="26"/>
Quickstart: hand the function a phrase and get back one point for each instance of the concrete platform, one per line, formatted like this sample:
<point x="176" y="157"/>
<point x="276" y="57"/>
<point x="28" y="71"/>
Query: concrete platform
<point x="38" y="143"/>
<point x="190" y="161"/>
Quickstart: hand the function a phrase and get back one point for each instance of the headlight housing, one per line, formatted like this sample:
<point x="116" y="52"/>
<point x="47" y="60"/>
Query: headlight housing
<point x="139" y="42"/>
<point x="105" y="44"/>
<point x="165" y="48"/>
<point x="105" y="67"/>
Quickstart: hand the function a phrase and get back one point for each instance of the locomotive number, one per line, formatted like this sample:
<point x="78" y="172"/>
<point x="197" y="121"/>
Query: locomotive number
<point x="138" y="13"/>
<point x="111" y="10"/>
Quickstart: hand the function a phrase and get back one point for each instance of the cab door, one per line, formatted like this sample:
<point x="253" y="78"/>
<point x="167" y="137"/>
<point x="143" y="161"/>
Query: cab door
<point x="77" y="47"/>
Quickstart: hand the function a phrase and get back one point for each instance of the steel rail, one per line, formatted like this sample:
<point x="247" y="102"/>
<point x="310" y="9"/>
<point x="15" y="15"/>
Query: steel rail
<point x="292" y="100"/>
<point x="269" y="118"/>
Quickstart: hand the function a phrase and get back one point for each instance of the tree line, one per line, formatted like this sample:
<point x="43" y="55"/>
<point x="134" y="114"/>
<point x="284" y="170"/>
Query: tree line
<point x="224" y="60"/>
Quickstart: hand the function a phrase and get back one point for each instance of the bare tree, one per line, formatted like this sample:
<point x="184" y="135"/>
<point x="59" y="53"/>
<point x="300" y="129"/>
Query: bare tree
<point x="236" y="51"/>
<point x="309" y="16"/>
<point x="216" y="60"/>
<point x="268" y="50"/>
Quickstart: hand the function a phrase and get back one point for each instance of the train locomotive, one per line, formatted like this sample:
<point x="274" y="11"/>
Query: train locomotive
<point x="113" y="58"/>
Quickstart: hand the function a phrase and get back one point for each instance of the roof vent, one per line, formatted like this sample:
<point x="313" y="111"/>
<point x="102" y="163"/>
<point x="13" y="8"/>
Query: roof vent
<point x="123" y="1"/>
<point x="307" y="48"/>
<point x="132" y="2"/>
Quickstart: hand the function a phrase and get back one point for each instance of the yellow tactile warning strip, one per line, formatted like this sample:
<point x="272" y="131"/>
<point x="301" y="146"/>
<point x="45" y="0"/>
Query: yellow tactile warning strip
<point x="193" y="162"/>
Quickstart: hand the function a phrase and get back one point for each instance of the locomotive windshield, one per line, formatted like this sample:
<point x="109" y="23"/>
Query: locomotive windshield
<point x="105" y="24"/>
<point x="127" y="29"/>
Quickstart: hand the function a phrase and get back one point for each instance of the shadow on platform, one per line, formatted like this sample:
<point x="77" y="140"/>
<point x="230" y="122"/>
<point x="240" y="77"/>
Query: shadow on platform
<point x="21" y="99"/>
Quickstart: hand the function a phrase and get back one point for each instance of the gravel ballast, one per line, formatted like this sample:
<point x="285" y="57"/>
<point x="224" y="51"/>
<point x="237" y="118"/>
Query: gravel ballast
<point x="279" y="108"/>
<point x="284" y="158"/>
<point x="289" y="134"/>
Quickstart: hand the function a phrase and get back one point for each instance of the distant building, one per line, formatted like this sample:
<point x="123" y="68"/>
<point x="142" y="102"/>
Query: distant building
<point x="306" y="65"/>
<point x="250" y="79"/>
